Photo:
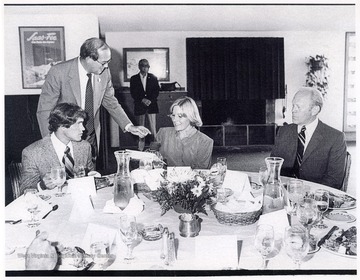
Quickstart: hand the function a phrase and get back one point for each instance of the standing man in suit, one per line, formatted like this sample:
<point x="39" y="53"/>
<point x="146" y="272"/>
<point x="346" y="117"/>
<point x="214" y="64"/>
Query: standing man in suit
<point x="56" y="149"/>
<point x="311" y="150"/>
<point x="85" y="81"/>
<point x="144" y="89"/>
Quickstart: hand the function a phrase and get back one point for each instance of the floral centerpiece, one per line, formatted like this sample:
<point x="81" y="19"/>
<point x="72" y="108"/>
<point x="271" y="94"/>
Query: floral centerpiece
<point x="185" y="189"/>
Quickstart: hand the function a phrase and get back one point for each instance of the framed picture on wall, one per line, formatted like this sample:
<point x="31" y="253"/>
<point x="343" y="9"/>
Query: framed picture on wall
<point x="158" y="59"/>
<point x="40" y="48"/>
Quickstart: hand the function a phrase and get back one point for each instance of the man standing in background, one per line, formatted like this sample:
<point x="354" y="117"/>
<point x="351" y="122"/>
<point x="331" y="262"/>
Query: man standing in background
<point x="85" y="81"/>
<point x="144" y="89"/>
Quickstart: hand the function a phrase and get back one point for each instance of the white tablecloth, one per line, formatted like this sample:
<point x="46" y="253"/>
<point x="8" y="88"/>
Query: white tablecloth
<point x="147" y="253"/>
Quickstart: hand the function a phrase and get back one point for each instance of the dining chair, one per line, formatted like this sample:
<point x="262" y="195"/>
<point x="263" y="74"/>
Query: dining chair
<point x="15" y="177"/>
<point x="347" y="172"/>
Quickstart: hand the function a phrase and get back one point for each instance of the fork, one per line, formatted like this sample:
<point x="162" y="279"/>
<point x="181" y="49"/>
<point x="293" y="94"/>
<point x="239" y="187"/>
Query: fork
<point x="12" y="222"/>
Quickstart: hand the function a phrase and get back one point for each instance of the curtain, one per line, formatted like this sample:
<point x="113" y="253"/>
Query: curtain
<point x="235" y="68"/>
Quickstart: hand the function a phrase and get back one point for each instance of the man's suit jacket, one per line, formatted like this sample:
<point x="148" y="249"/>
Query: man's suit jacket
<point x="324" y="158"/>
<point x="62" y="84"/>
<point x="39" y="157"/>
<point x="138" y="93"/>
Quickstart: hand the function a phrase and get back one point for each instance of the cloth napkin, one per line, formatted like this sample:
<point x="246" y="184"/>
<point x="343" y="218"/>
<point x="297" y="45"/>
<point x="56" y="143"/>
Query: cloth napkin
<point x="135" y="207"/>
<point x="17" y="209"/>
<point x="142" y="155"/>
<point x="151" y="177"/>
<point x="278" y="219"/>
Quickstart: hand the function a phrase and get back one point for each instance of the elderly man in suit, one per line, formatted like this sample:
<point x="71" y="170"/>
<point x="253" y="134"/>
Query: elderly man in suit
<point x="85" y="81"/>
<point x="63" y="147"/>
<point x="311" y="150"/>
<point x="144" y="89"/>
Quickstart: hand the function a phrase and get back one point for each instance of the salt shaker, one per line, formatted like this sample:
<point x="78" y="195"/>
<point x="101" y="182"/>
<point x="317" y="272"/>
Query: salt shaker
<point x="164" y="247"/>
<point x="171" y="258"/>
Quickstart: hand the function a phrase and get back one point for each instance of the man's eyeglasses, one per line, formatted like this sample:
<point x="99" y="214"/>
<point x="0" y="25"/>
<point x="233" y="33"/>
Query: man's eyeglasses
<point x="104" y="63"/>
<point x="180" y="116"/>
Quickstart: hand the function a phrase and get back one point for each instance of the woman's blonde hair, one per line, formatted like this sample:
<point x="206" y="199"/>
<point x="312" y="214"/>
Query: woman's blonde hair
<point x="190" y="109"/>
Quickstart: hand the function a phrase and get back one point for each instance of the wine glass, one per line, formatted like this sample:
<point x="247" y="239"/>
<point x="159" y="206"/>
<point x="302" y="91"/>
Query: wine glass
<point x="294" y="195"/>
<point x="264" y="241"/>
<point x="145" y="163"/>
<point x="31" y="201"/>
<point x="307" y="213"/>
<point x="263" y="175"/>
<point x="58" y="175"/>
<point x="100" y="248"/>
<point x="129" y="234"/>
<point x="222" y="165"/>
<point x="296" y="244"/>
<point x="322" y="202"/>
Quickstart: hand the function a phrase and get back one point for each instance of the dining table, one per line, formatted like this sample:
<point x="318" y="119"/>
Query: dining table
<point x="219" y="249"/>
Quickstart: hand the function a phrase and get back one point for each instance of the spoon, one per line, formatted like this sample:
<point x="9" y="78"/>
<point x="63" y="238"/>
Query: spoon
<point x="53" y="209"/>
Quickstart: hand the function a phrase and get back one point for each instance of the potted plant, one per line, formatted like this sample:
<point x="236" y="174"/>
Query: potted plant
<point x="317" y="76"/>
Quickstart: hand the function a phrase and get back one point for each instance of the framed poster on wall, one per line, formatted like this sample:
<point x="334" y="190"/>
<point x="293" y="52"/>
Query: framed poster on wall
<point x="158" y="59"/>
<point x="40" y="48"/>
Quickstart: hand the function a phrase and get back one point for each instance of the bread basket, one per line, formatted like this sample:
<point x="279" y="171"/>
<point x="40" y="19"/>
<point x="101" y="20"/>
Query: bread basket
<point x="236" y="219"/>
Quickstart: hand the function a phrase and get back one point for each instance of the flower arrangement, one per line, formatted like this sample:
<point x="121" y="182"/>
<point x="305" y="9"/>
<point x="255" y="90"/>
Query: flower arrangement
<point x="189" y="191"/>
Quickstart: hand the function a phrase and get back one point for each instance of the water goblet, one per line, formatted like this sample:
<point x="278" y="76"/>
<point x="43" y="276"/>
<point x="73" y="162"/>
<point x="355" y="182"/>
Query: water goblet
<point x="31" y="201"/>
<point x="294" y="195"/>
<point x="322" y="202"/>
<point x="58" y="175"/>
<point x="263" y="175"/>
<point x="129" y="234"/>
<point x="264" y="241"/>
<point x="99" y="248"/>
<point x="307" y="213"/>
<point x="296" y="243"/>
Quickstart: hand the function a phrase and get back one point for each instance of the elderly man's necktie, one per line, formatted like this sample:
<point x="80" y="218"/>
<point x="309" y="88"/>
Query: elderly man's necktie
<point x="89" y="106"/>
<point x="68" y="162"/>
<point x="300" y="151"/>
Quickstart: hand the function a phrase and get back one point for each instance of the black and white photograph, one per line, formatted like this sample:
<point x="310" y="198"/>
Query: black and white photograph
<point x="180" y="139"/>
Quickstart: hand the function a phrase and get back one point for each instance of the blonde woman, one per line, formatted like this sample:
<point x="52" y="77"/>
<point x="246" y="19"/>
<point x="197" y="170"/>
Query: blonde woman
<point x="184" y="144"/>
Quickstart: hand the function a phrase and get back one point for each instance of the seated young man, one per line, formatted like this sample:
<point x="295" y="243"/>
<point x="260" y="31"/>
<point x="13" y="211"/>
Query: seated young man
<point x="62" y="147"/>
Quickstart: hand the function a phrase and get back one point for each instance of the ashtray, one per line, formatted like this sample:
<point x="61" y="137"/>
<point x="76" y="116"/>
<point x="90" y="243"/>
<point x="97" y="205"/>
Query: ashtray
<point x="152" y="233"/>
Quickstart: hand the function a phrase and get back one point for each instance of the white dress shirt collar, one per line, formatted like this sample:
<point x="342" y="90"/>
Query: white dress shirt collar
<point x="60" y="147"/>
<point x="310" y="128"/>
<point x="143" y="80"/>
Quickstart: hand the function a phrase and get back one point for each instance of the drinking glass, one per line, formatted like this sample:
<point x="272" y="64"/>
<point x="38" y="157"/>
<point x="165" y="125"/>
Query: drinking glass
<point x="296" y="244"/>
<point x="322" y="203"/>
<point x="79" y="171"/>
<point x="295" y="193"/>
<point x="307" y="213"/>
<point x="263" y="175"/>
<point x="31" y="201"/>
<point x="129" y="234"/>
<point x="222" y="166"/>
<point x="145" y="163"/>
<point x="264" y="241"/>
<point x="58" y="176"/>
<point x="99" y="248"/>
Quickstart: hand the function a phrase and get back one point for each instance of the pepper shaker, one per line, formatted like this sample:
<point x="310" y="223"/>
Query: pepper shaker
<point x="164" y="247"/>
<point x="171" y="258"/>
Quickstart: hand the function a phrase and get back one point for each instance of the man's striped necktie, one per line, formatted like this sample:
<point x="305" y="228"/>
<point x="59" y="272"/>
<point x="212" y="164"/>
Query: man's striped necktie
<point x="68" y="162"/>
<point x="300" y="151"/>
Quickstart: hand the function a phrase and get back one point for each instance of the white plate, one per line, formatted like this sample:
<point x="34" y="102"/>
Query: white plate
<point x="349" y="202"/>
<point x="333" y="236"/>
<point x="340" y="216"/>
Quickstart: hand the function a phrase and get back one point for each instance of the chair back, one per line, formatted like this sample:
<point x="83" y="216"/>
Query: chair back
<point x="15" y="177"/>
<point x="347" y="172"/>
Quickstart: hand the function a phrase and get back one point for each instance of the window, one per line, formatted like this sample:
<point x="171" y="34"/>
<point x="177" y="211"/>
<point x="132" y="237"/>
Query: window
<point x="350" y="78"/>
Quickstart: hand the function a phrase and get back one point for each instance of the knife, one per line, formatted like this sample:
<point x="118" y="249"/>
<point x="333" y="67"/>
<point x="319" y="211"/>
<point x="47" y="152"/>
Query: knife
<point x="327" y="236"/>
